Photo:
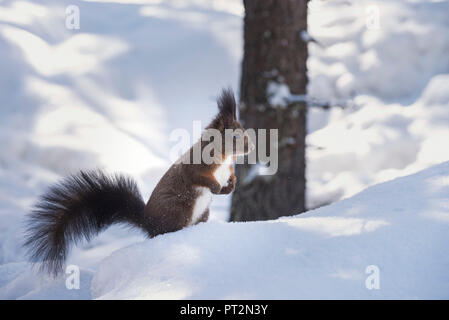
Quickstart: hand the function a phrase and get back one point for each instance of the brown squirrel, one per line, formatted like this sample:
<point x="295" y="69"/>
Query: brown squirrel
<point x="84" y="204"/>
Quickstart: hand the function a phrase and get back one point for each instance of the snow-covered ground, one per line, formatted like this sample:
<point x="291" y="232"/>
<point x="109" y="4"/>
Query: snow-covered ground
<point x="400" y="227"/>
<point x="108" y="95"/>
<point x="389" y="241"/>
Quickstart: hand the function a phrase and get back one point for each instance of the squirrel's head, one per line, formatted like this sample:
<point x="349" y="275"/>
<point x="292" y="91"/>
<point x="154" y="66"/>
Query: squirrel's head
<point x="235" y="141"/>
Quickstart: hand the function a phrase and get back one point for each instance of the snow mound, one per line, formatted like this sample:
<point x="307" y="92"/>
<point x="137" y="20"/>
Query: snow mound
<point x="400" y="227"/>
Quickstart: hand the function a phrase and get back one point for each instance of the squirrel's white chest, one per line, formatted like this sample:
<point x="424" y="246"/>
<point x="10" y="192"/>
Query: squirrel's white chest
<point x="223" y="173"/>
<point x="202" y="203"/>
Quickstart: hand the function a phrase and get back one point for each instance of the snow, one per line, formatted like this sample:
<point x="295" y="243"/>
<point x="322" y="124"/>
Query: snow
<point x="278" y="94"/>
<point x="109" y="94"/>
<point x="400" y="227"/>
<point x="384" y="63"/>
<point x="19" y="281"/>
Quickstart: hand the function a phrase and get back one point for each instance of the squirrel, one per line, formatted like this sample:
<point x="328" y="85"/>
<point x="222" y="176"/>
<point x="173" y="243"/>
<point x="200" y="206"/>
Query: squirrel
<point x="84" y="204"/>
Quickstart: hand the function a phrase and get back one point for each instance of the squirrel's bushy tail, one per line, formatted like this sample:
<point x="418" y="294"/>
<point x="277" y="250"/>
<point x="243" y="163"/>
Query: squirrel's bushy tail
<point x="79" y="207"/>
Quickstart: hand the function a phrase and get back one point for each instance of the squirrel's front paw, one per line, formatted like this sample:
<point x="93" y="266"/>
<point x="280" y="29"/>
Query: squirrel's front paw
<point x="230" y="186"/>
<point x="215" y="188"/>
<point x="231" y="181"/>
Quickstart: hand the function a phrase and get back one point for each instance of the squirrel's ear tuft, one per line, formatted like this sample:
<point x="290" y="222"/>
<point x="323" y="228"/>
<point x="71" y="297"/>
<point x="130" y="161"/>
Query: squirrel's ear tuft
<point x="226" y="104"/>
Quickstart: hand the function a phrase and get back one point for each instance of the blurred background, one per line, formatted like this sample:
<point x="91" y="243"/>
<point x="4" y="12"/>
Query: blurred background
<point x="108" y="94"/>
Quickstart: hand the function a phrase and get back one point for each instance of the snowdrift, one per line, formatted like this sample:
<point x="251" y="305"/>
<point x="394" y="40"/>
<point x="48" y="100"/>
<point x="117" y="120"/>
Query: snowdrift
<point x="400" y="227"/>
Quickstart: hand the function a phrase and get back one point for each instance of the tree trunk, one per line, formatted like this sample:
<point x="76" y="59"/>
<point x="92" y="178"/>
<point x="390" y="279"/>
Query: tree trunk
<point x="274" y="54"/>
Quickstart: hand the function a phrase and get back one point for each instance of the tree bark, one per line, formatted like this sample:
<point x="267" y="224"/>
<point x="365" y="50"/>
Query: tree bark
<point x="274" y="52"/>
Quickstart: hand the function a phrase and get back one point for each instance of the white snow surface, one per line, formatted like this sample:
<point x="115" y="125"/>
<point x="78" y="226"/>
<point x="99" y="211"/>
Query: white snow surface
<point x="401" y="227"/>
<point x="386" y="63"/>
<point x="108" y="94"/>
